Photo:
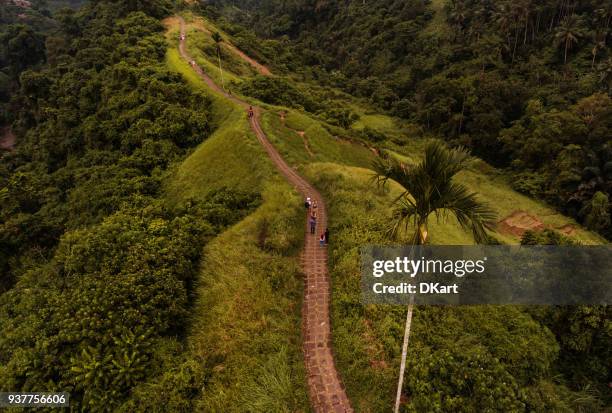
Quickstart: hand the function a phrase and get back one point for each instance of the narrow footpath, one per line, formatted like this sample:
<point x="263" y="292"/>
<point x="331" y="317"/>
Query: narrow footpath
<point x="325" y="387"/>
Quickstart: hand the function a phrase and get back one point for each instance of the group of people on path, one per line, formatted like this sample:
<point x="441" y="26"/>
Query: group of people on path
<point x="311" y="206"/>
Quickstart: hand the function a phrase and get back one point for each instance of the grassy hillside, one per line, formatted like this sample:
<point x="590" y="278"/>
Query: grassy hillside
<point x="243" y="347"/>
<point x="367" y="339"/>
<point x="505" y="340"/>
<point x="231" y="157"/>
<point x="494" y="187"/>
<point x="491" y="184"/>
<point x="202" y="48"/>
<point x="302" y="140"/>
<point x="246" y="323"/>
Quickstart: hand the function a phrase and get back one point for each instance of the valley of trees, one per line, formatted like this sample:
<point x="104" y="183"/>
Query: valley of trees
<point x="525" y="85"/>
<point x="99" y="265"/>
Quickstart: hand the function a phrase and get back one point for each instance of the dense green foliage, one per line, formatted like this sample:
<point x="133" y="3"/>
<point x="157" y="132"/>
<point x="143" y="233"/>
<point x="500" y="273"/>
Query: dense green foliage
<point x="583" y="332"/>
<point x="97" y="267"/>
<point x="89" y="321"/>
<point x="277" y="92"/>
<point x="24" y="27"/>
<point x="94" y="131"/>
<point x="112" y="287"/>
<point x="524" y="84"/>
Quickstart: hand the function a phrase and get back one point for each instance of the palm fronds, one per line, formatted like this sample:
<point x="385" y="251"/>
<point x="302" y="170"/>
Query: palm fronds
<point x="429" y="189"/>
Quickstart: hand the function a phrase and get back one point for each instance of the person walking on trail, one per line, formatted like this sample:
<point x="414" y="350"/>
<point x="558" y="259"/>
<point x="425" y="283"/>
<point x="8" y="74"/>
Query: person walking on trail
<point x="327" y="235"/>
<point x="313" y="225"/>
<point x="251" y="113"/>
<point x="307" y="203"/>
<point x="322" y="239"/>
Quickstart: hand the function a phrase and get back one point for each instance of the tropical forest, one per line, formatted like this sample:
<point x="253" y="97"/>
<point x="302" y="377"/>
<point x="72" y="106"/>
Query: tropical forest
<point x="187" y="186"/>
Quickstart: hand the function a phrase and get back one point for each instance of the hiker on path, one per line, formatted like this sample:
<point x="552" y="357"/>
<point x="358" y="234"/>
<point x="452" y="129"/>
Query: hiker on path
<point x="307" y="203"/>
<point x="327" y="235"/>
<point x="322" y="239"/>
<point x="251" y="112"/>
<point x="313" y="225"/>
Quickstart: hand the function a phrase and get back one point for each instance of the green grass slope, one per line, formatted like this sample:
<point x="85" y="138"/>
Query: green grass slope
<point x="243" y="348"/>
<point x="202" y="48"/>
<point x="438" y="25"/>
<point x="246" y="322"/>
<point x="231" y="157"/>
<point x="324" y="147"/>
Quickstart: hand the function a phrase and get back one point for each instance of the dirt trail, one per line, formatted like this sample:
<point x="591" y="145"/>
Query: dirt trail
<point x="299" y="132"/>
<point x="306" y="145"/>
<point x="7" y="139"/>
<point x="325" y="387"/>
<point x="258" y="66"/>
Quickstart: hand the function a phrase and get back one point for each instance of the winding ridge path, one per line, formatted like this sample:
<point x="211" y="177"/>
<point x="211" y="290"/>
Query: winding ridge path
<point x="326" y="390"/>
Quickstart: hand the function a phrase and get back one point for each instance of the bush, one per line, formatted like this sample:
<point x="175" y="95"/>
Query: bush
<point x="277" y="91"/>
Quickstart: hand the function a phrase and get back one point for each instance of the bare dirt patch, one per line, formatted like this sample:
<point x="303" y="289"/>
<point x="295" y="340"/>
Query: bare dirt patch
<point x="306" y="144"/>
<point x="170" y="22"/>
<point x="7" y="139"/>
<point x="24" y="4"/>
<point x="520" y="222"/>
<point x="568" y="229"/>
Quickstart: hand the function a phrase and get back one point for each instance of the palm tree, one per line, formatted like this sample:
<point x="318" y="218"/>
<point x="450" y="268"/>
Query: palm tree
<point x="605" y="73"/>
<point x="216" y="36"/>
<point x="458" y="16"/>
<point x="568" y="33"/>
<point x="428" y="188"/>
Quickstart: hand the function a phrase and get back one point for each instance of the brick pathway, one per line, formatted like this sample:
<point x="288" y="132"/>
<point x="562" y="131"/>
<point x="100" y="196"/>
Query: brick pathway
<point x="324" y="383"/>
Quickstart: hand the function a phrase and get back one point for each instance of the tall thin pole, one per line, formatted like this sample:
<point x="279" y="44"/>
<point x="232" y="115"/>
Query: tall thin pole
<point x="421" y="239"/>
<point x="400" y="382"/>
